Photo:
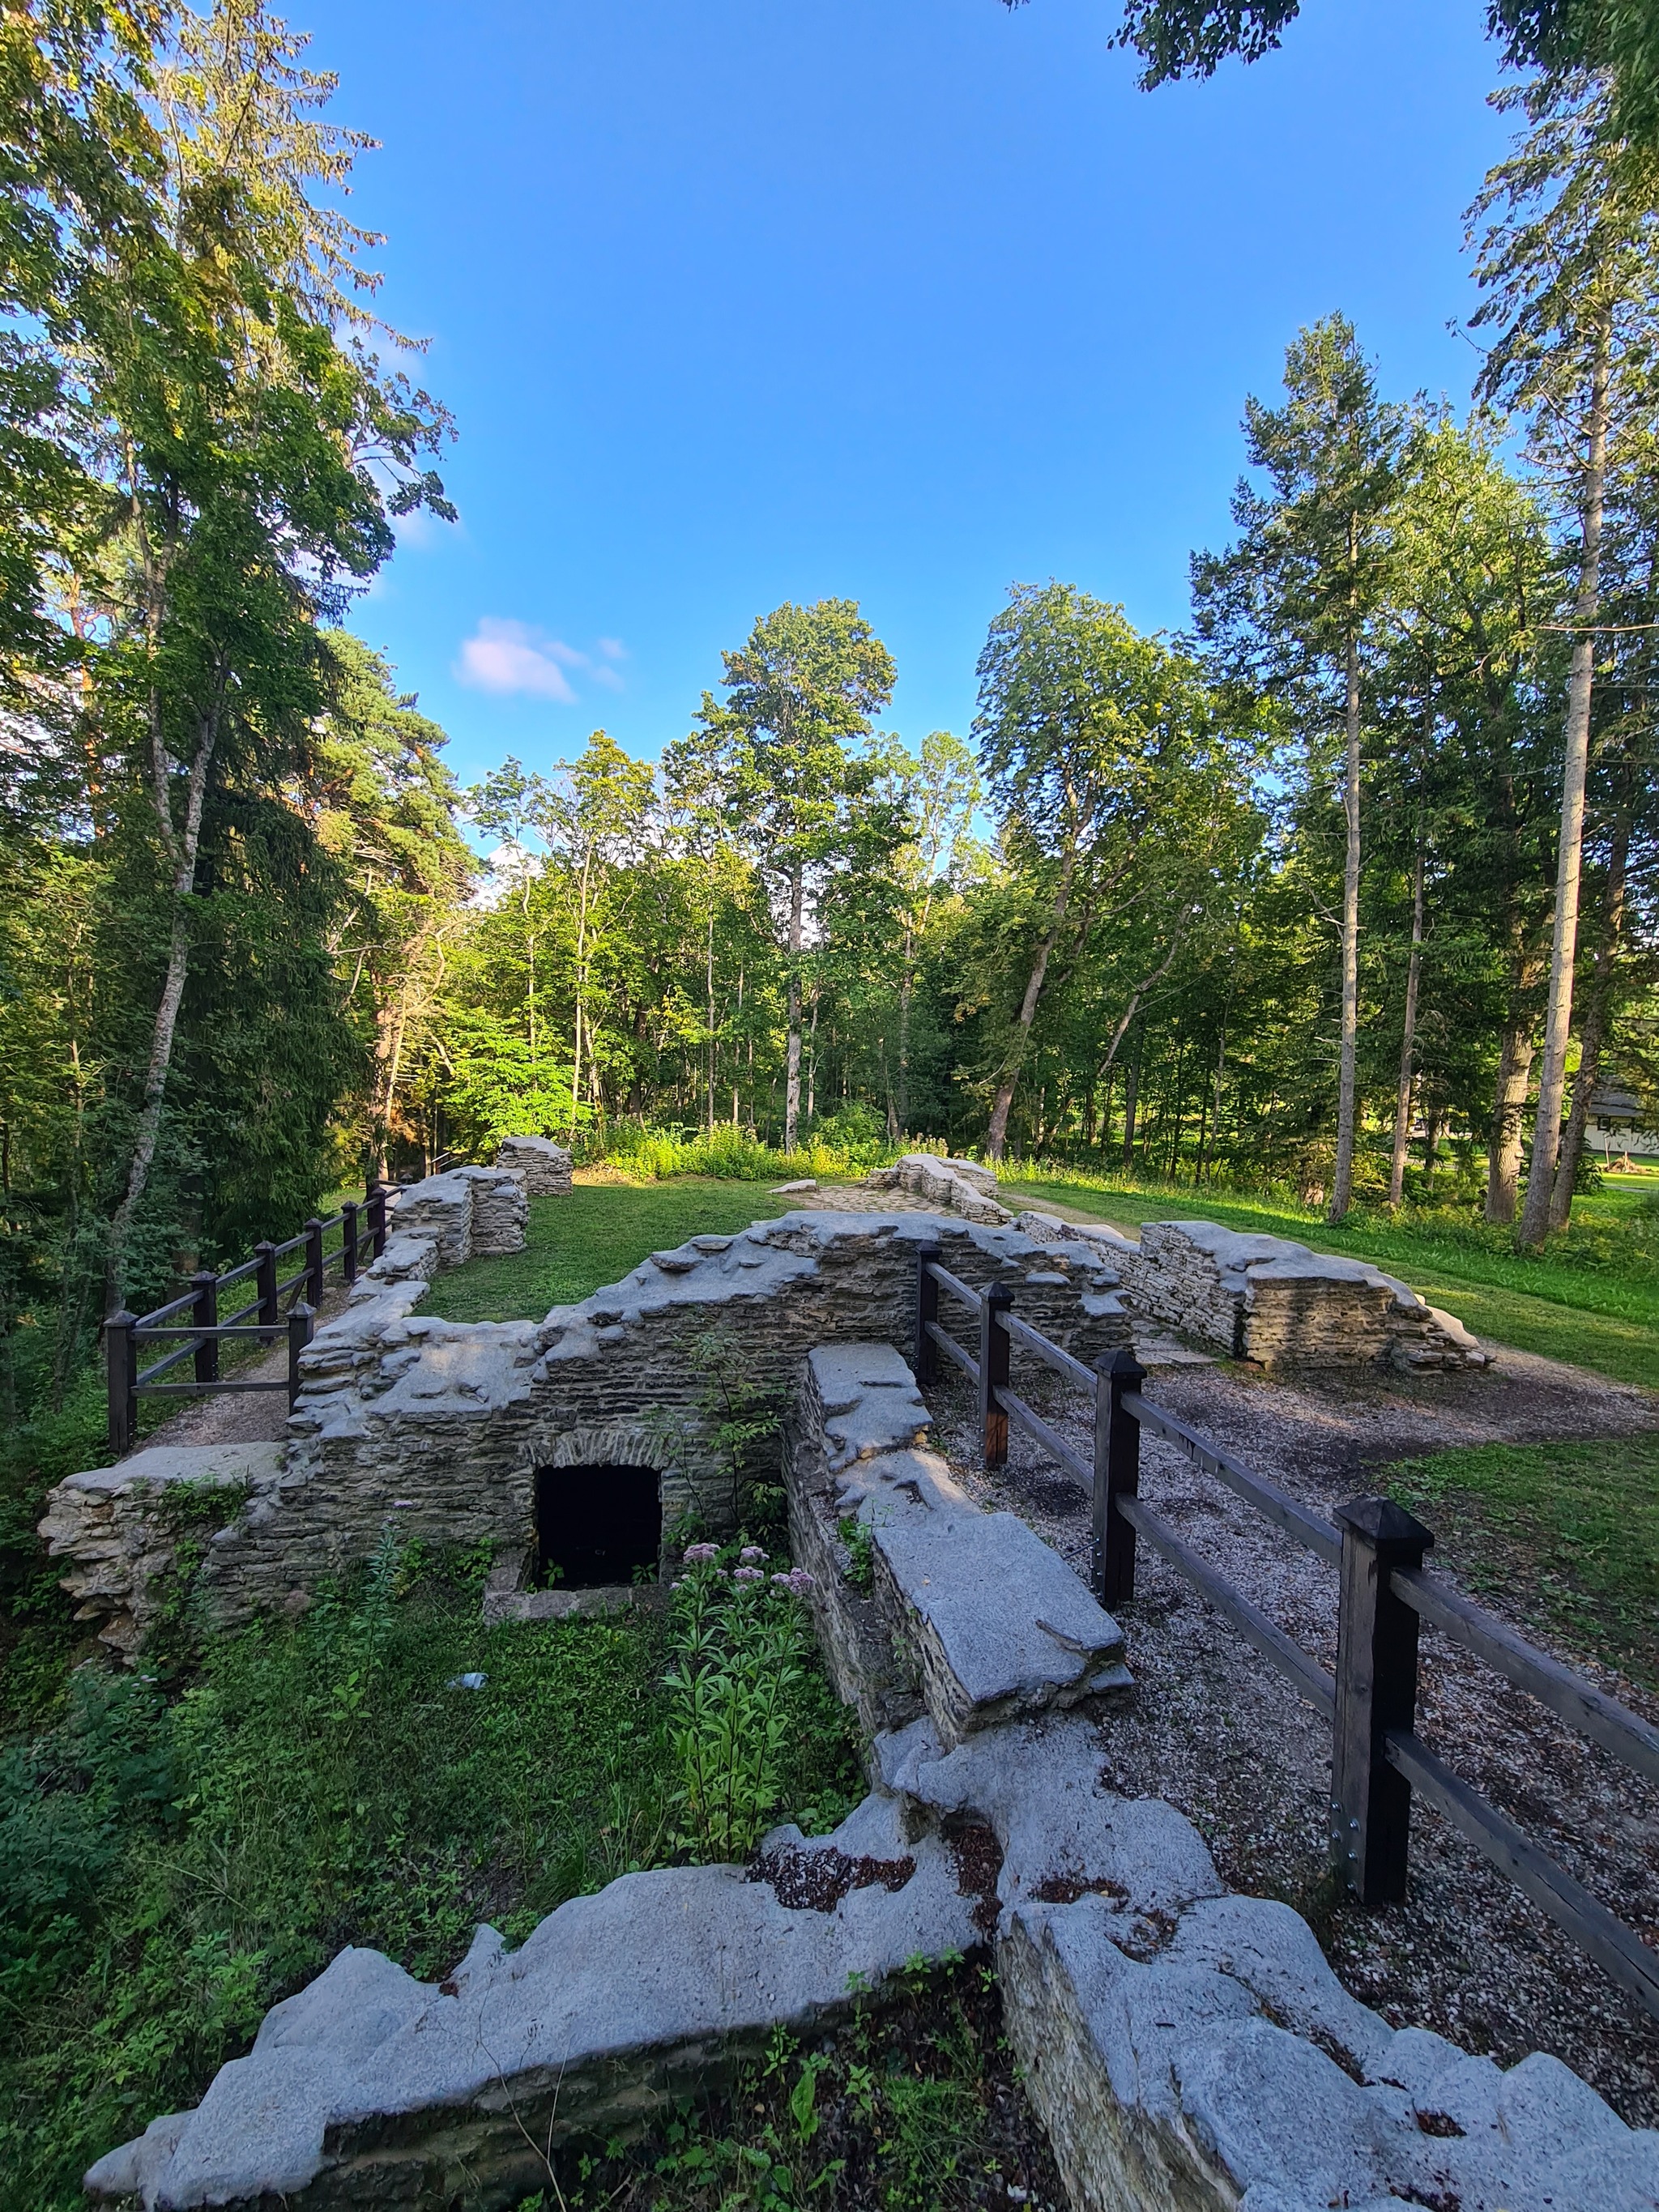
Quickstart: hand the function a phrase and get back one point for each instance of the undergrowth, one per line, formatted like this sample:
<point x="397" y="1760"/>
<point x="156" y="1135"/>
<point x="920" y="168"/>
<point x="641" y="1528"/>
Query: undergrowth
<point x="173" y="1864"/>
<point x="911" y="2107"/>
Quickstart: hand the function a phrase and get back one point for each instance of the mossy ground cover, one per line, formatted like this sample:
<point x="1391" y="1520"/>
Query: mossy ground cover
<point x="593" y="1236"/>
<point x="176" y="1855"/>
<point x="1592" y="1298"/>
<point x="1567" y="1534"/>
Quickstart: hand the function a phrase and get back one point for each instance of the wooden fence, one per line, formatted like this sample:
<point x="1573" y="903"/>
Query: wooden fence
<point x="1377" y="1760"/>
<point x="362" y="1230"/>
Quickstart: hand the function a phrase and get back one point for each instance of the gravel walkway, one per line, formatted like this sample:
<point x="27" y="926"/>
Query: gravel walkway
<point x="242" y="1416"/>
<point x="1220" y="1734"/>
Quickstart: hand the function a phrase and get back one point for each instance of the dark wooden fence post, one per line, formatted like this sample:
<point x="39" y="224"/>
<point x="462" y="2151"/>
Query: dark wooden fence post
<point x="348" y="1241"/>
<point x="266" y="1276"/>
<point x="994" y="1345"/>
<point x="301" y="1327"/>
<point x="316" y="1282"/>
<point x="377" y="1216"/>
<point x="205" y="1315"/>
<point x="926" y="1362"/>
<point x="121" y="1350"/>
<point x="1376" y="1691"/>
<point x="1117" y="1474"/>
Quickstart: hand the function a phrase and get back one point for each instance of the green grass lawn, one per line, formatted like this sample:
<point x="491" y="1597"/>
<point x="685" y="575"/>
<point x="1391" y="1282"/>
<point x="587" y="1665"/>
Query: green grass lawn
<point x="1560" y="1304"/>
<point x="1568" y="1532"/>
<point x="594" y="1236"/>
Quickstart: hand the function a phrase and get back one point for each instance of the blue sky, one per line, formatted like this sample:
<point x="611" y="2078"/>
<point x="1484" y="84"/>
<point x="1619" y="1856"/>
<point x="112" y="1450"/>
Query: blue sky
<point x="896" y="299"/>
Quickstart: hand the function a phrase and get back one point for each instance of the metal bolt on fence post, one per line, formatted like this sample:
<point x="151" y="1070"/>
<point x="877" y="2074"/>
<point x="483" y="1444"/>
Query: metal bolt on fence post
<point x="1376" y="1692"/>
<point x="926" y="1362"/>
<point x="994" y="1345"/>
<point x="121" y="1353"/>
<point x="1117" y="1474"/>
<point x="205" y="1315"/>
<point x="301" y="1328"/>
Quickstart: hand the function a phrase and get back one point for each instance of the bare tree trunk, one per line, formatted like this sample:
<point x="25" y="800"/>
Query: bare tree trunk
<point x="997" y="1135"/>
<point x="182" y="850"/>
<point x="1508" y="1115"/>
<point x="708" y="979"/>
<point x="907" y="986"/>
<point x="792" y="1089"/>
<point x="1594" y="1029"/>
<point x="1563" y="946"/>
<point x="1342" y="1180"/>
<point x="1131" y="1099"/>
<point x="1402" y="1104"/>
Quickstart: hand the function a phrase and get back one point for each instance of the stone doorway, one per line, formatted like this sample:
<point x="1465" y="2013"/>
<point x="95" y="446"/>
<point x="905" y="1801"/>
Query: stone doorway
<point x="598" y="1526"/>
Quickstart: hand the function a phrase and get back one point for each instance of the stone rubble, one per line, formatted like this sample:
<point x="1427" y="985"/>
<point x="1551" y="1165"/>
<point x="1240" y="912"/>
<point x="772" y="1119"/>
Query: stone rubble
<point x="963" y="1186"/>
<point x="542" y="1166"/>
<point x="1188" y="2050"/>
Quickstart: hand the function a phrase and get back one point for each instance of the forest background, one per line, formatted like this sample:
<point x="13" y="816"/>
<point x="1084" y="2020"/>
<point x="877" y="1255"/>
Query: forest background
<point x="1368" y="852"/>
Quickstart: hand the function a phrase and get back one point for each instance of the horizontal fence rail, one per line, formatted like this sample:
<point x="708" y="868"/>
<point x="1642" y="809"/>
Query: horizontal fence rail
<point x="1378" y="1549"/>
<point x="263" y="1319"/>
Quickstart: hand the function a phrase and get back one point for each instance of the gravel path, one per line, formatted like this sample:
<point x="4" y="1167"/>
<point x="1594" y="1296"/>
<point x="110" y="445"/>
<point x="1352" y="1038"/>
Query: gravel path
<point x="242" y="1416"/>
<point x="1220" y="1734"/>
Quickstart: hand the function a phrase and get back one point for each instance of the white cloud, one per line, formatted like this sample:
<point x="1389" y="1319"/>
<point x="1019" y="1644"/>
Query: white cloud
<point x="509" y="656"/>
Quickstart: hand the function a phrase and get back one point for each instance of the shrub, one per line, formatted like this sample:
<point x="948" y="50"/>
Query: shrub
<point x="740" y="1647"/>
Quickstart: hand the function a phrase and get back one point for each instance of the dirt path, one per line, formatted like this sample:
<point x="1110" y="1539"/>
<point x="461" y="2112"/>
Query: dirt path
<point x="1218" y="1732"/>
<point x="243" y="1417"/>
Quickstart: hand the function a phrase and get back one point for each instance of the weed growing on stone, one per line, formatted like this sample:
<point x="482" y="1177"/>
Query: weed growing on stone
<point x="913" y="2106"/>
<point x="861" y="1553"/>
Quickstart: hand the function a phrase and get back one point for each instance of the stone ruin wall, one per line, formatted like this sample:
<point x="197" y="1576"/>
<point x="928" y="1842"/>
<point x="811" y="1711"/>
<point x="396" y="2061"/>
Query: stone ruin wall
<point x="1186" y="2049"/>
<point x="439" y="1427"/>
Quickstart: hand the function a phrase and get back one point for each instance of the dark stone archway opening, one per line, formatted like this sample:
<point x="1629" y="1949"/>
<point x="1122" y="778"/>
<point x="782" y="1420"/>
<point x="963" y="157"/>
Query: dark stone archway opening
<point x="596" y="1525"/>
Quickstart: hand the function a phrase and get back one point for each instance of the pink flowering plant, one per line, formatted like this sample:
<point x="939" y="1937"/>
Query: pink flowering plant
<point x="740" y="1641"/>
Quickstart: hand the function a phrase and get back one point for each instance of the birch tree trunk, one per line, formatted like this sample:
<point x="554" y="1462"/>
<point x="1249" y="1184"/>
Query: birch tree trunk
<point x="1564" y="945"/>
<point x="182" y="849"/>
<point x="1402" y="1104"/>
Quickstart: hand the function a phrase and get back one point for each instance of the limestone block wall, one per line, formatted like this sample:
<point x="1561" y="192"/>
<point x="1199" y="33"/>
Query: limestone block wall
<point x="905" y="1566"/>
<point x="1187" y="2049"/>
<point x="543" y="1166"/>
<point x="441" y="1425"/>
<point x="1270" y="1300"/>
<point x="467" y="1213"/>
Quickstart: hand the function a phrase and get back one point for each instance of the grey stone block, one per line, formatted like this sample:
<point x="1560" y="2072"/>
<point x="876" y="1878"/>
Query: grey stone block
<point x="370" y="2087"/>
<point x="543" y="1166"/>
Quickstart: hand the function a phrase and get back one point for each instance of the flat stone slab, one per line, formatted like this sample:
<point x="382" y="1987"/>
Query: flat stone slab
<point x="998" y="1623"/>
<point x="369" y="2087"/>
